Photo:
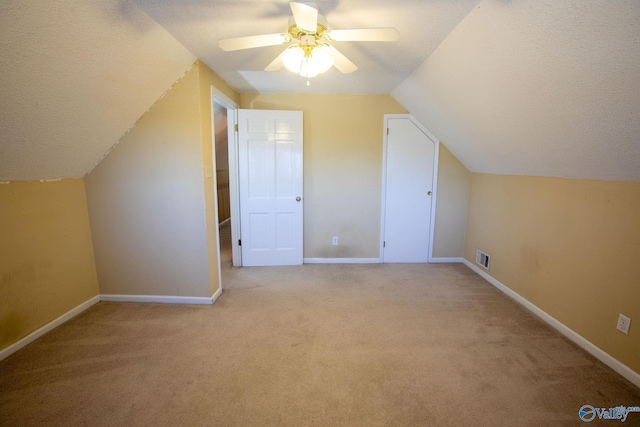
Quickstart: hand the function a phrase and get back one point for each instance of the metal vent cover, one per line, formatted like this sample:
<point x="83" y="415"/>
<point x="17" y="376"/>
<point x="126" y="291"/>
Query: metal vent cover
<point x="482" y="259"/>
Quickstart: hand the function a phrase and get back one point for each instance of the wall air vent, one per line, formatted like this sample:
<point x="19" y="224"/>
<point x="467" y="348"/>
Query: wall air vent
<point x="482" y="259"/>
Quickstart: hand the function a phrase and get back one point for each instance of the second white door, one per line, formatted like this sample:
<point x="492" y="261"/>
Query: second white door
<point x="270" y="184"/>
<point x="408" y="191"/>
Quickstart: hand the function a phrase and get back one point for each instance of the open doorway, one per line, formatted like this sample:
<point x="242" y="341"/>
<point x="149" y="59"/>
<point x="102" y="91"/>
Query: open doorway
<point x="224" y="152"/>
<point x="221" y="141"/>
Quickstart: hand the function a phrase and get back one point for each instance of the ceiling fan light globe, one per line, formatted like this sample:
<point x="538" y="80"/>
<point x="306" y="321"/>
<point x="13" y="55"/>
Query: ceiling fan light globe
<point x="293" y="59"/>
<point x="308" y="72"/>
<point x="316" y="62"/>
<point x="321" y="60"/>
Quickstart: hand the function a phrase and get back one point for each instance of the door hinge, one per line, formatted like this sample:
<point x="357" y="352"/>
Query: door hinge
<point x="239" y="242"/>
<point x="387" y="131"/>
<point x="384" y="244"/>
<point x="235" y="127"/>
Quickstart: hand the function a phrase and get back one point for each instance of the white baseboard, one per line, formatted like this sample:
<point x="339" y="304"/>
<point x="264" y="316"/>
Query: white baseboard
<point x="597" y="352"/>
<point x="162" y="299"/>
<point x="6" y="352"/>
<point x="370" y="260"/>
<point x="446" y="260"/>
<point x="216" y="294"/>
<point x="341" y="260"/>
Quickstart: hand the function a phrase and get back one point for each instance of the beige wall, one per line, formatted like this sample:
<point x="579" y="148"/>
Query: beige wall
<point x="568" y="246"/>
<point x="146" y="202"/>
<point x="451" y="208"/>
<point x="343" y="137"/>
<point x="47" y="263"/>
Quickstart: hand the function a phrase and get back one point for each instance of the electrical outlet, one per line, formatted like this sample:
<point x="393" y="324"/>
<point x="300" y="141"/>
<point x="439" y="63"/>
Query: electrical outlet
<point x="335" y="241"/>
<point x="623" y="324"/>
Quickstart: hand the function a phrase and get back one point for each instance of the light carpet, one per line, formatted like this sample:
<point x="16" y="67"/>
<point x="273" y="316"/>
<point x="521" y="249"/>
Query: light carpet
<point x="326" y="345"/>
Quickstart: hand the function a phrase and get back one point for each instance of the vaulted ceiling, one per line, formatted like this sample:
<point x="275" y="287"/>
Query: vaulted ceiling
<point x="546" y="88"/>
<point x="382" y="66"/>
<point x="75" y="75"/>
<point x="510" y="86"/>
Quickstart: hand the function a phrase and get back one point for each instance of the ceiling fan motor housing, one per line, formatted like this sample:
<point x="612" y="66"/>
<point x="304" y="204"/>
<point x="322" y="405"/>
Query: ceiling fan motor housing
<point x="297" y="32"/>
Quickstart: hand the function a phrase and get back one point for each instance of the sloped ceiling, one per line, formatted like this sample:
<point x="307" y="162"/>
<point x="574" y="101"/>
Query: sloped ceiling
<point x="546" y="88"/>
<point x="199" y="25"/>
<point x="510" y="86"/>
<point x="75" y="75"/>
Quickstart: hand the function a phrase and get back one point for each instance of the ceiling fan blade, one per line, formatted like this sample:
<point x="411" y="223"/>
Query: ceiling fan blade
<point x="341" y="62"/>
<point x="250" y="42"/>
<point x="364" y="35"/>
<point x="306" y="17"/>
<point x="277" y="63"/>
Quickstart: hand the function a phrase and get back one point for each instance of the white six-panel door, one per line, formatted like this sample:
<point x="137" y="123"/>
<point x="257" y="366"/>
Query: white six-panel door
<point x="270" y="184"/>
<point x="408" y="192"/>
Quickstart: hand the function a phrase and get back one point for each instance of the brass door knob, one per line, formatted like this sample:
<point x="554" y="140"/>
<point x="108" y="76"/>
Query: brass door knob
<point x="428" y="193"/>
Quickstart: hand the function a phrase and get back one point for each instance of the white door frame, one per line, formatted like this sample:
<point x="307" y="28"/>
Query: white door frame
<point x="232" y="120"/>
<point x="434" y="197"/>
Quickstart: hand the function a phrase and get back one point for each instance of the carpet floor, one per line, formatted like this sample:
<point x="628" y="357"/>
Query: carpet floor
<point x="325" y="345"/>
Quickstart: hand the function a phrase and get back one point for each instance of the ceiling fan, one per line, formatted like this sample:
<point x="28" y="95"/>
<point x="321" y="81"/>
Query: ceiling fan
<point x="309" y="51"/>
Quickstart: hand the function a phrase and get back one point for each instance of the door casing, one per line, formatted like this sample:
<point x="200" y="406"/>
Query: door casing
<point x="232" y="119"/>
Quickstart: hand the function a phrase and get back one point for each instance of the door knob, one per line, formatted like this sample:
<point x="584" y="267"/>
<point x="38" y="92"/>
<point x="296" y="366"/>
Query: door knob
<point x="428" y="193"/>
<point x="298" y="199"/>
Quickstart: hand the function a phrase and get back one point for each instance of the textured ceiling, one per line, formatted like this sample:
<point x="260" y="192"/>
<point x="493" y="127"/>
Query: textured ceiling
<point x="537" y="88"/>
<point x="520" y="87"/>
<point x="75" y="75"/>
<point x="199" y="24"/>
